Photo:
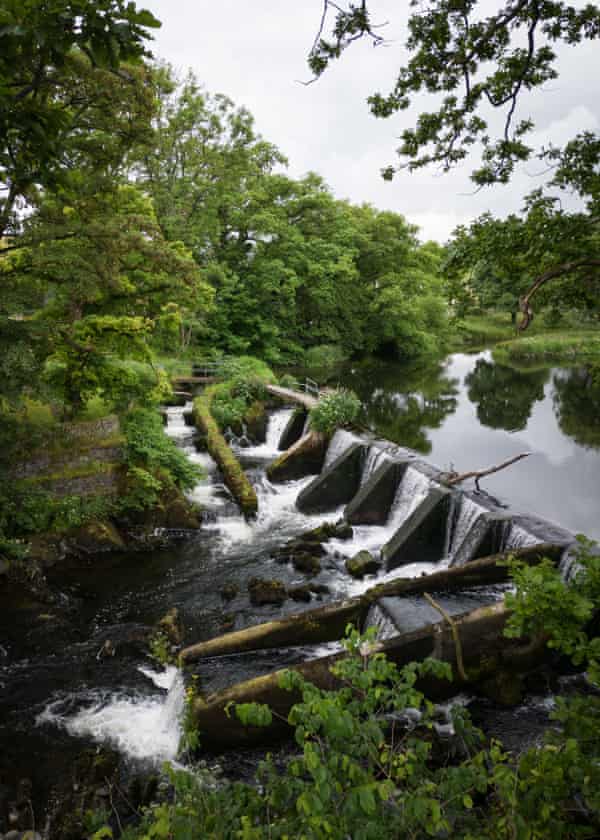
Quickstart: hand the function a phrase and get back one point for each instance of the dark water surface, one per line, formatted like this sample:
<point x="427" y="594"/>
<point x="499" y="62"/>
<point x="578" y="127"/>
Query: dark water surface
<point x="469" y="412"/>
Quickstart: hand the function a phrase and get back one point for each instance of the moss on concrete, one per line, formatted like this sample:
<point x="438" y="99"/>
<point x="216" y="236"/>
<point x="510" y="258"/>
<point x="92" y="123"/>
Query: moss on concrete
<point x="235" y="477"/>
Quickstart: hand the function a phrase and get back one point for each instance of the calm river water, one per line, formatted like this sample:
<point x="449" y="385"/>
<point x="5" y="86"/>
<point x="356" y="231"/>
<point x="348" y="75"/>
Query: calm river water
<point x="468" y="412"/>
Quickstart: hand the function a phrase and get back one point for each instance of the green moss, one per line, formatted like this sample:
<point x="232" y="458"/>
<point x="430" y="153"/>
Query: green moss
<point x="69" y="473"/>
<point x="235" y="477"/>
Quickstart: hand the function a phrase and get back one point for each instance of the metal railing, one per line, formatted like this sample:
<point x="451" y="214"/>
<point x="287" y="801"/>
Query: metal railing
<point x="206" y="368"/>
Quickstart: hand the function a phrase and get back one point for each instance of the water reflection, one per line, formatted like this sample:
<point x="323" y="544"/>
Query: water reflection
<point x="469" y="412"/>
<point x="576" y="400"/>
<point x="504" y="396"/>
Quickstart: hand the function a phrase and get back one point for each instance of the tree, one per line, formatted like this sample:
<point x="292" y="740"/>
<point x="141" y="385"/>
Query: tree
<point x="473" y="59"/>
<point x="96" y="279"/>
<point x="576" y="400"/>
<point x="47" y="53"/>
<point x="478" y="62"/>
<point x="508" y="260"/>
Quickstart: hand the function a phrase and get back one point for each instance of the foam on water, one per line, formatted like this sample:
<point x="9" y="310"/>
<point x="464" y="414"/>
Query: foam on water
<point x="176" y="426"/>
<point x="207" y="492"/>
<point x="278" y="517"/>
<point x="518" y="537"/>
<point x="142" y="727"/>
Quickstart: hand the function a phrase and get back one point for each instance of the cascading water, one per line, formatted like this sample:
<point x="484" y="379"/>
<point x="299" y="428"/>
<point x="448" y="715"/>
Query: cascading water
<point x="412" y="490"/>
<point x="278" y="420"/>
<point x="375" y="456"/>
<point x="140" y="726"/>
<point x="207" y="493"/>
<point x="378" y="618"/>
<point x="278" y="518"/>
<point x="341" y="441"/>
<point x="463" y="534"/>
<point x="518" y="537"/>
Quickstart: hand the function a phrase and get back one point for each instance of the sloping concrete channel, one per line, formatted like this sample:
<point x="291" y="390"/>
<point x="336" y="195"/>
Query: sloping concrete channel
<point x="403" y="514"/>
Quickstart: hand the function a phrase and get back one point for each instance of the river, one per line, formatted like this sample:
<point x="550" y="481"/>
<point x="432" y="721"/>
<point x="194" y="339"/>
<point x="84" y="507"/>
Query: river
<point x="467" y="411"/>
<point x="59" y="693"/>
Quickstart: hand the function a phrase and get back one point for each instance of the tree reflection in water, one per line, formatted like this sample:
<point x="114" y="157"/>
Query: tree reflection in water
<point x="576" y="402"/>
<point x="401" y="402"/>
<point x="504" y="395"/>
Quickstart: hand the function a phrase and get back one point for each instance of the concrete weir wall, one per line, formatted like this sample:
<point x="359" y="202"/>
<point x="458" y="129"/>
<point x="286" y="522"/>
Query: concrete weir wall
<point x="422" y="536"/>
<point x="420" y="519"/>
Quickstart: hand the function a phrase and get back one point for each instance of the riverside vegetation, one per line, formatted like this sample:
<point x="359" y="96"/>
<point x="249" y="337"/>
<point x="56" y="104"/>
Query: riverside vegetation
<point x="145" y="223"/>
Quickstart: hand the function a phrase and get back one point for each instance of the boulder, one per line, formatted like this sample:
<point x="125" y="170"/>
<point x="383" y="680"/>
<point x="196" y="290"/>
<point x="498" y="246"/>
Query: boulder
<point x="337" y="484"/>
<point x="362" y="564"/>
<point x="263" y="591"/>
<point x="305" y="457"/>
<point x="308" y="564"/>
<point x="94" y="537"/>
<point x="172" y="626"/>
<point x="300" y="593"/>
<point x="339" y="530"/>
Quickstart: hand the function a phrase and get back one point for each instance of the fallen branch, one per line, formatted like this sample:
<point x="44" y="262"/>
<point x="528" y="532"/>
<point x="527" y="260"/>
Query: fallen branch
<point x="460" y="664"/>
<point x="455" y="478"/>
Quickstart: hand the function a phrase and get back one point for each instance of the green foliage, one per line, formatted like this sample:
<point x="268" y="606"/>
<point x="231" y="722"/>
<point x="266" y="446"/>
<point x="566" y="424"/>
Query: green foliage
<point x="324" y="355"/>
<point x="27" y="511"/>
<point x="245" y="379"/>
<point x="362" y="771"/>
<point x="190" y="737"/>
<point x="245" y="368"/>
<point x="153" y="458"/>
<point x="472" y="59"/>
<point x="235" y="477"/>
<point x="338" y="408"/>
<point x="51" y="60"/>
<point x="288" y="381"/>
<point x="160" y="647"/>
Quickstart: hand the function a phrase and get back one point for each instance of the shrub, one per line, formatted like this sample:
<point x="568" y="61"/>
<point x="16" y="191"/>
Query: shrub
<point x="150" y="449"/>
<point x="363" y="770"/>
<point x="246" y="367"/>
<point x="338" y="408"/>
<point x="288" y="381"/>
<point x="325" y="355"/>
<point x="245" y="379"/>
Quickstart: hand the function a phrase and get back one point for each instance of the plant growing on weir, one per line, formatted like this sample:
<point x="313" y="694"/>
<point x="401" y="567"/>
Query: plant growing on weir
<point x="335" y="409"/>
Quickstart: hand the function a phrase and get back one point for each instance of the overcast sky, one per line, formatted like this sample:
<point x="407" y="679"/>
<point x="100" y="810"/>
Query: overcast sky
<point x="255" y="52"/>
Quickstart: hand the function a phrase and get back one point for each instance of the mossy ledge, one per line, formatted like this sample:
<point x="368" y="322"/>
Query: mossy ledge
<point x="235" y="477"/>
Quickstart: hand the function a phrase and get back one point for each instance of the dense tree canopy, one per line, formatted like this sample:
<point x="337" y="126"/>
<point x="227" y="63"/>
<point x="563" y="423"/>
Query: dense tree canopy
<point x="49" y="56"/>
